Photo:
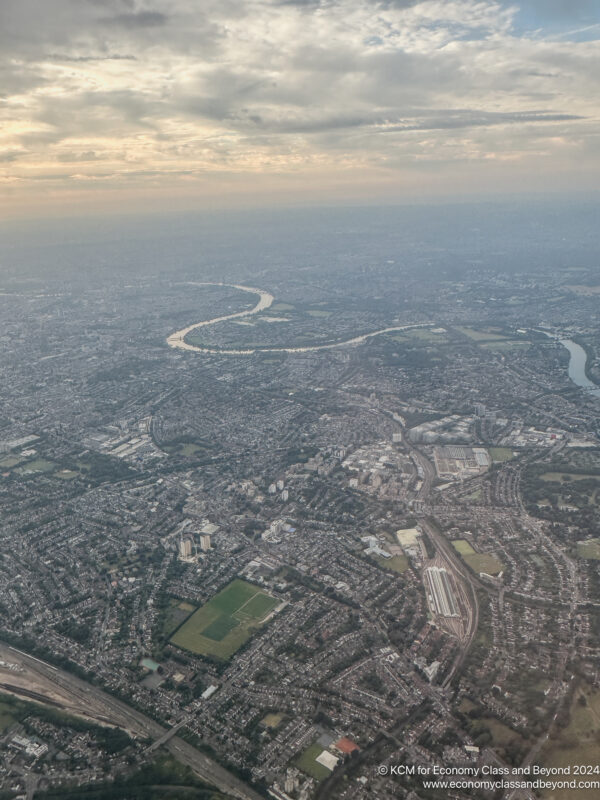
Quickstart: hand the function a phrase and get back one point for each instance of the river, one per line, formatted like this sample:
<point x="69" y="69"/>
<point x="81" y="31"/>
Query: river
<point x="577" y="364"/>
<point x="177" y="339"/>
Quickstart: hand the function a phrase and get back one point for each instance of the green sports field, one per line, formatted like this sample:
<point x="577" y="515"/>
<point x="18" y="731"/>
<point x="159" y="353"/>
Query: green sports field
<point x="223" y="624"/>
<point x="589" y="548"/>
<point x="463" y="547"/>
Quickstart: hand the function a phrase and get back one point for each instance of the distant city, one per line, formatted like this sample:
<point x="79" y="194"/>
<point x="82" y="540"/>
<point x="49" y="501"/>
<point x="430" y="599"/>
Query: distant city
<point x="292" y="499"/>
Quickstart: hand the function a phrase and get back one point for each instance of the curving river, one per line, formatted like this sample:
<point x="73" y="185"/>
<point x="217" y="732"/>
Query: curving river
<point x="577" y="364"/>
<point x="177" y="339"/>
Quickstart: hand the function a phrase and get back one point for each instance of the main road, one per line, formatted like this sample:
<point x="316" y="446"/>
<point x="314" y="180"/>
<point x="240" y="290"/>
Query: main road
<point x="57" y="687"/>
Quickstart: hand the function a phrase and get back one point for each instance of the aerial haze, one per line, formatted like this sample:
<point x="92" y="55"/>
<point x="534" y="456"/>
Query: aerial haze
<point x="299" y="390"/>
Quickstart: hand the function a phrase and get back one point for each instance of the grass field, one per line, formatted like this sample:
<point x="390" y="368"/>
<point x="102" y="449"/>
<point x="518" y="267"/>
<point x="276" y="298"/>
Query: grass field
<point x="223" y="624"/>
<point x="272" y="720"/>
<point x="66" y="474"/>
<point x="187" y="449"/>
<point x="481" y="562"/>
<point x="589" y="548"/>
<point x="307" y="763"/>
<point x="395" y="563"/>
<point x="6" y="717"/>
<point x="319" y="313"/>
<point x="176" y="613"/>
<point x="500" y="346"/>
<point x="37" y="465"/>
<point x="424" y="335"/>
<point x="567" y="477"/>
<point x="466" y="705"/>
<point x="481" y="336"/>
<point x="501" y="733"/>
<point x="10" y="461"/>
<point x="462" y="547"/>
<point x="500" y="454"/>
<point x="578" y="743"/>
<point x="397" y="337"/>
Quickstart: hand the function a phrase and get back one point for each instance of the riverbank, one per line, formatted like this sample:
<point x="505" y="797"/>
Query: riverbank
<point x="177" y="339"/>
<point x="577" y="368"/>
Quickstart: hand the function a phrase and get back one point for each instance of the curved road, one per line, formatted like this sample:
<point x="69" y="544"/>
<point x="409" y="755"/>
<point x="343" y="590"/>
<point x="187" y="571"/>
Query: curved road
<point x="177" y="339"/>
<point x="102" y="707"/>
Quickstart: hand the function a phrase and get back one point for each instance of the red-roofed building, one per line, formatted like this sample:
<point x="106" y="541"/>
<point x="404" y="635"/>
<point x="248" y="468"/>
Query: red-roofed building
<point x="345" y="745"/>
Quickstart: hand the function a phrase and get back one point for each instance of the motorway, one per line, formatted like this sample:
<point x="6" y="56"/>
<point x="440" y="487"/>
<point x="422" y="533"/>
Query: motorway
<point x="78" y="697"/>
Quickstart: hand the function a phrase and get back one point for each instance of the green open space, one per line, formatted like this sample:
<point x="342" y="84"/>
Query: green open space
<point x="175" y="614"/>
<point x="500" y="454"/>
<point x="281" y="307"/>
<point x="272" y="720"/>
<point x="482" y="336"/>
<point x="162" y="779"/>
<point x="315" y="312"/>
<point x="589" y="548"/>
<point x="463" y="547"/>
<point x="426" y="335"/>
<point x="567" y="477"/>
<point x="501" y="733"/>
<point x="577" y="743"/>
<point x="395" y="563"/>
<point x="11" y="460"/>
<point x="7" y="716"/>
<point x="233" y="596"/>
<point x="223" y="624"/>
<point x="13" y="709"/>
<point x="566" y="484"/>
<point x="466" y="705"/>
<point x="66" y="474"/>
<point x="478" y="562"/>
<point x="37" y="465"/>
<point x="307" y="763"/>
<point x="481" y="562"/>
<point x="474" y="497"/>
<point x="258" y="606"/>
<point x="220" y="627"/>
<point x="397" y="337"/>
<point x="187" y="449"/>
<point x="504" y="344"/>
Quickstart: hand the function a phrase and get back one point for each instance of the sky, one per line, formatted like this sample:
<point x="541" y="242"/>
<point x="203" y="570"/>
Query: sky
<point x="110" y="105"/>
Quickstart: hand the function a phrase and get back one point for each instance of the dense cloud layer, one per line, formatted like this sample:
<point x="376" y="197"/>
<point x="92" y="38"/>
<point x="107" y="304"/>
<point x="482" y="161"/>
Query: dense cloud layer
<point x="214" y="96"/>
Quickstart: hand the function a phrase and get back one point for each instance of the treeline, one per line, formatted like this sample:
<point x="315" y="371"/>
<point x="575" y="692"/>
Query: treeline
<point x="157" y="781"/>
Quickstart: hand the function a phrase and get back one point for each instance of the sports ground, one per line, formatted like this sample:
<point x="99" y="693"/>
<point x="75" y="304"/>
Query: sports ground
<point x="226" y="621"/>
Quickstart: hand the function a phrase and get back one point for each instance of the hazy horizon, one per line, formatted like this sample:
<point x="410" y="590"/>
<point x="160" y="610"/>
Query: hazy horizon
<point x="138" y="105"/>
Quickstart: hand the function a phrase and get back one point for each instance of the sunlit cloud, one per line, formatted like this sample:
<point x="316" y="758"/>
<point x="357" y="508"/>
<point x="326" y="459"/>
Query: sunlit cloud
<point x="98" y="95"/>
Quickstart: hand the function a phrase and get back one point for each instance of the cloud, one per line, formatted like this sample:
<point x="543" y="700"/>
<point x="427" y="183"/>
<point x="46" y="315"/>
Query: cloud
<point x="139" y="19"/>
<point x="82" y="59"/>
<point x="290" y="86"/>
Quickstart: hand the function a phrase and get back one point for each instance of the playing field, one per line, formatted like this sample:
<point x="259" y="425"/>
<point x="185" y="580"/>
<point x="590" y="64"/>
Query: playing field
<point x="578" y="743"/>
<point x="589" y="548"/>
<point x="500" y="454"/>
<point x="481" y="562"/>
<point x="395" y="563"/>
<point x="223" y="624"/>
<point x="308" y="763"/>
<point x="463" y="547"/>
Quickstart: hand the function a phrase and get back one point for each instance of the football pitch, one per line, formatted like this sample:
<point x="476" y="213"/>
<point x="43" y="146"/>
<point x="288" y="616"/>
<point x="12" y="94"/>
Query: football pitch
<point x="222" y="625"/>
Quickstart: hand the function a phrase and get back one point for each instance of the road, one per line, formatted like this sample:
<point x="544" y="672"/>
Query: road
<point x="82" y="698"/>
